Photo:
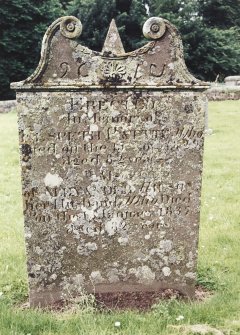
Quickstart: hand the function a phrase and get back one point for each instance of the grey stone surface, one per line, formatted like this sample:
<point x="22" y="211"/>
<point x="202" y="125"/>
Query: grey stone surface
<point x="232" y="80"/>
<point x="7" y="106"/>
<point x="223" y="92"/>
<point x="111" y="148"/>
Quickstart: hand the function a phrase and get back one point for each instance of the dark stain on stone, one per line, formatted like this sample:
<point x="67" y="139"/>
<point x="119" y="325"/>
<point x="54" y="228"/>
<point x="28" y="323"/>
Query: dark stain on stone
<point x="26" y="152"/>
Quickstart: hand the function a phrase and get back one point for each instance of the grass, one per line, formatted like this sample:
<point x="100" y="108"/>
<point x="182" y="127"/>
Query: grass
<point x="219" y="265"/>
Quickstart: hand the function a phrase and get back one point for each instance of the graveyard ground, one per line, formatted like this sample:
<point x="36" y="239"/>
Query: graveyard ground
<point x="219" y="265"/>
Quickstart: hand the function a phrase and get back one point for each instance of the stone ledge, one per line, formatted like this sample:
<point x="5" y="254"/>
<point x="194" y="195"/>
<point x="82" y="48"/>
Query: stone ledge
<point x="223" y="92"/>
<point x="7" y="105"/>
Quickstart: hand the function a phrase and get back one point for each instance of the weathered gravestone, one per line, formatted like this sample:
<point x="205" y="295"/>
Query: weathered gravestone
<point x="111" y="148"/>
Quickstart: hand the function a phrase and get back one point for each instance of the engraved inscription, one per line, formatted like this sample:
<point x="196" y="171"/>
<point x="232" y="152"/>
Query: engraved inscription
<point x="82" y="70"/>
<point x="111" y="157"/>
<point x="64" y="68"/>
<point x="153" y="72"/>
<point x="97" y="140"/>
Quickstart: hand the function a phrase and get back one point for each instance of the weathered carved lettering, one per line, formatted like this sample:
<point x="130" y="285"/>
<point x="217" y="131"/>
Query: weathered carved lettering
<point x="64" y="68"/>
<point x="153" y="68"/>
<point x="111" y="154"/>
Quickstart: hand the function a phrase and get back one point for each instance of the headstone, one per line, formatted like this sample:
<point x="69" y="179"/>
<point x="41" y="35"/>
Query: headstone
<point x="232" y="81"/>
<point x="111" y="155"/>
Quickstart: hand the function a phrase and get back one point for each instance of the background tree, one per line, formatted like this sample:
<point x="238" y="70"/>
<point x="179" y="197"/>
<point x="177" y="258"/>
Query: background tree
<point x="22" y="26"/>
<point x="220" y="13"/>
<point x="96" y="16"/>
<point x="64" y="3"/>
<point x="210" y="33"/>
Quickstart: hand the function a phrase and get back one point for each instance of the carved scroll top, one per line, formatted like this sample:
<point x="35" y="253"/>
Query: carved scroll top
<point x="66" y="64"/>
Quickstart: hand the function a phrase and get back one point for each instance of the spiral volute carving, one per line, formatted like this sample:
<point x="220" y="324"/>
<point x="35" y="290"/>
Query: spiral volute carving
<point x="71" y="27"/>
<point x="154" y="28"/>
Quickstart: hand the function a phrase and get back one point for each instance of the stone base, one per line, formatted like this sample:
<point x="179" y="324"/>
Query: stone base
<point x="117" y="291"/>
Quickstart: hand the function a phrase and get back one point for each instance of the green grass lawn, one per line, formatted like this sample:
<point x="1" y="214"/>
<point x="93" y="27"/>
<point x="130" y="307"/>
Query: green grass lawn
<point x="219" y="246"/>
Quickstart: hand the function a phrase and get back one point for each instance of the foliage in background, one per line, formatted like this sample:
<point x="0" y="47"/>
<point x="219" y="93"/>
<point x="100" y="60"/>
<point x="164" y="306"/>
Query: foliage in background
<point x="96" y="16"/>
<point x="209" y="28"/>
<point x="220" y="13"/>
<point x="210" y="31"/>
<point x="22" y="26"/>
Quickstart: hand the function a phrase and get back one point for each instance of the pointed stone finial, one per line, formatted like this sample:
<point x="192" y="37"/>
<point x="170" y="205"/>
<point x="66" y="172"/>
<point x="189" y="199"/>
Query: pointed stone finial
<point x="113" y="43"/>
